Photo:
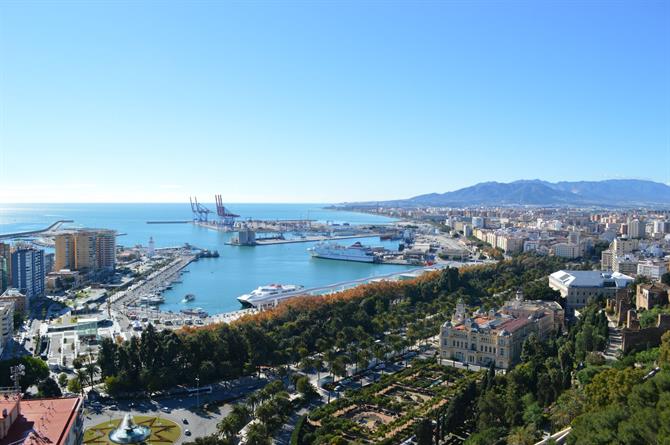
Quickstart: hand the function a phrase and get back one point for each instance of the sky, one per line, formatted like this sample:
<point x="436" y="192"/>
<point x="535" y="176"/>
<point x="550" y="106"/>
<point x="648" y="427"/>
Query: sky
<point x="326" y="101"/>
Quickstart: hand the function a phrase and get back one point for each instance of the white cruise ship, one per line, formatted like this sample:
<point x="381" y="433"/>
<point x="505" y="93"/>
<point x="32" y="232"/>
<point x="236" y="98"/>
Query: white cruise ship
<point x="333" y="251"/>
<point x="268" y="296"/>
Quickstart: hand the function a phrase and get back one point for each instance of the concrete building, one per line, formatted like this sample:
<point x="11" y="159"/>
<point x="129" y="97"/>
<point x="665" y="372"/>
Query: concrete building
<point x="580" y="287"/>
<point x="626" y="265"/>
<point x="6" y="323"/>
<point x="90" y="250"/>
<point x="652" y="269"/>
<point x="509" y="243"/>
<point x="56" y="421"/>
<point x="5" y="266"/>
<point x="496" y="337"/>
<point x="636" y="229"/>
<point x="49" y="259"/>
<point x="478" y="222"/>
<point x="622" y="246"/>
<point x="651" y="295"/>
<point x="15" y="296"/>
<point x="531" y="245"/>
<point x="606" y="259"/>
<point x="467" y="230"/>
<point x="566" y="250"/>
<point x="28" y="271"/>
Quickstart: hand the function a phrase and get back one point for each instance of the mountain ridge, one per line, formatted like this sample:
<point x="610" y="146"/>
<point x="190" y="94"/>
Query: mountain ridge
<point x="536" y="192"/>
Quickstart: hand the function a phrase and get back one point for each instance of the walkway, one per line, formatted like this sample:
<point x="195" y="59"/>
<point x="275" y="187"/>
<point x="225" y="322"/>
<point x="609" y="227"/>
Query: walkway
<point x="614" y="342"/>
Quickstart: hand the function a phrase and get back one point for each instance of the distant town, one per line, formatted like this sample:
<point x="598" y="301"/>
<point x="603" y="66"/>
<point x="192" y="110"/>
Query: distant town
<point x="70" y="316"/>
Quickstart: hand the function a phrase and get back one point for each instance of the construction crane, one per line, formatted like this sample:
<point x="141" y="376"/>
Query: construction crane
<point x="200" y="212"/>
<point x="226" y="217"/>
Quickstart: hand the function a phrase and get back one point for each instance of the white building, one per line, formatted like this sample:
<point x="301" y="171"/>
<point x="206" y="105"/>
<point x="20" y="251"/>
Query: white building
<point x="580" y="287"/>
<point x="651" y="269"/>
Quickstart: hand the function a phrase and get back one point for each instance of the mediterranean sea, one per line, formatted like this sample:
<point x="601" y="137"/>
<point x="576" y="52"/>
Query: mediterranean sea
<point x="216" y="282"/>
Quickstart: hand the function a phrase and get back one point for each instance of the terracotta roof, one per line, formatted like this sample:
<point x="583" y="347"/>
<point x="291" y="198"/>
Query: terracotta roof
<point x="44" y="421"/>
<point x="514" y="324"/>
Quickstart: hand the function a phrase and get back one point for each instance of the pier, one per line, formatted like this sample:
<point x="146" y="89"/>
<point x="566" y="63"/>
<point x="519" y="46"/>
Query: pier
<point x="182" y="221"/>
<point x="54" y="226"/>
<point x="306" y="239"/>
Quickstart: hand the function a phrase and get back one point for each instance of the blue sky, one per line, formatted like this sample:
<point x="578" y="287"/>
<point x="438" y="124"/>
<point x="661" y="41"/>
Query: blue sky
<point x="326" y="101"/>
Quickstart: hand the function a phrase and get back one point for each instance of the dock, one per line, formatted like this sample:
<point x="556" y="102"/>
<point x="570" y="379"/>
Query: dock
<point x="307" y="239"/>
<point x="182" y="221"/>
<point x="321" y="291"/>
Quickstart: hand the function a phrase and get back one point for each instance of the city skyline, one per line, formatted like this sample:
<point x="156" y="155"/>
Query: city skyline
<point x="154" y="102"/>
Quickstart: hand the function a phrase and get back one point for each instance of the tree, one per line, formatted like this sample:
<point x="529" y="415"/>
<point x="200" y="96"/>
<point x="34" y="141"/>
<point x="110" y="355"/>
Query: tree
<point x="257" y="434"/>
<point x="49" y="388"/>
<point x="62" y="380"/>
<point x="424" y="432"/>
<point x="525" y="435"/>
<point x="74" y="385"/>
<point x="664" y="351"/>
<point x="665" y="278"/>
<point x="304" y="387"/>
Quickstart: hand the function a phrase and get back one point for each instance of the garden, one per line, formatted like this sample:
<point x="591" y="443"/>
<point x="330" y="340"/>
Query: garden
<point x="386" y="411"/>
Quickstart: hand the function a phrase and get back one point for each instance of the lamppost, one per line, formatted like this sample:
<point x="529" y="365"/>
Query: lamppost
<point x="197" y="392"/>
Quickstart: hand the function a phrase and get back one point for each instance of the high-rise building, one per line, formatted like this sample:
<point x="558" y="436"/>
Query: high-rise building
<point x="636" y="229"/>
<point x="5" y="266"/>
<point x="49" y="259"/>
<point x="90" y="249"/>
<point x="28" y="271"/>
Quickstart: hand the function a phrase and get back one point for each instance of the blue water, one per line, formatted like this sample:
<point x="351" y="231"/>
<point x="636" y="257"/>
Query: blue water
<point x="216" y="282"/>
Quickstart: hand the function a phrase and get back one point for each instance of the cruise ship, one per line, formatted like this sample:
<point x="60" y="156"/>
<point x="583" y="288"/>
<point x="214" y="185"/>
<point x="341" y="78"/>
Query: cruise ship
<point x="268" y="296"/>
<point x="333" y="251"/>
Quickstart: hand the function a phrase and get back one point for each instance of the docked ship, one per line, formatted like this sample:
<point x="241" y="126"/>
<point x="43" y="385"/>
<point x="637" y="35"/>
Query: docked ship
<point x="333" y="251"/>
<point x="268" y="296"/>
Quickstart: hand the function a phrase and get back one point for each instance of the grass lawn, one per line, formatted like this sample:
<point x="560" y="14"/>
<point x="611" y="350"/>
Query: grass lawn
<point x="163" y="431"/>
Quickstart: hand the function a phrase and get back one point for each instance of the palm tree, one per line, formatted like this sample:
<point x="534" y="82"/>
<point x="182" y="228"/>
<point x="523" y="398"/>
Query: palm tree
<point x="318" y="364"/>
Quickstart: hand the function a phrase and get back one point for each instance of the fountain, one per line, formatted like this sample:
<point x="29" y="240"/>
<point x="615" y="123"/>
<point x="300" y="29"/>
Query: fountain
<point x="128" y="432"/>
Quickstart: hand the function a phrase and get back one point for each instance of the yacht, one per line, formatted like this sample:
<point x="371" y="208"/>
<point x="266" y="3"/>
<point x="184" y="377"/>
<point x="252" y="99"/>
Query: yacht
<point x="188" y="297"/>
<point x="268" y="296"/>
<point x="152" y="299"/>
<point x="198" y="312"/>
<point x="333" y="251"/>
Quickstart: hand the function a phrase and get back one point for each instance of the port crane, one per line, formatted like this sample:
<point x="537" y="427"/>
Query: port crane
<point x="200" y="212"/>
<point x="227" y="217"/>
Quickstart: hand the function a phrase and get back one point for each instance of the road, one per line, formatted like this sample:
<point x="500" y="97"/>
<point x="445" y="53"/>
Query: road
<point x="179" y="408"/>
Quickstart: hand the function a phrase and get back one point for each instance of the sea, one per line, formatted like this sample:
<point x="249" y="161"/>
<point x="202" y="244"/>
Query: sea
<point x="216" y="282"/>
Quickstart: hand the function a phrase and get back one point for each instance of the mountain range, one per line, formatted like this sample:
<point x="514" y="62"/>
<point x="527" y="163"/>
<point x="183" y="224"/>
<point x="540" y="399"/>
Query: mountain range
<point x="610" y="193"/>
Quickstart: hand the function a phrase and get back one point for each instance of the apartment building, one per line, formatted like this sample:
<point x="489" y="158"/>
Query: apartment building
<point x="652" y="269"/>
<point x="86" y="250"/>
<point x="28" y="271"/>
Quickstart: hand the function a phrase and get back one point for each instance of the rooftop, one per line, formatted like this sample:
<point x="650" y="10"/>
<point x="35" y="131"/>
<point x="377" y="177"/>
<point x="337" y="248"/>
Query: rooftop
<point x="43" y="421"/>
<point x="591" y="278"/>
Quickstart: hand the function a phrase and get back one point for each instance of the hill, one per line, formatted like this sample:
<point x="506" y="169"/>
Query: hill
<point x="612" y="192"/>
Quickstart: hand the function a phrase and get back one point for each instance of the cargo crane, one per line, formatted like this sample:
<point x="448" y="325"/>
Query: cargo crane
<point x="200" y="212"/>
<point x="226" y="217"/>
